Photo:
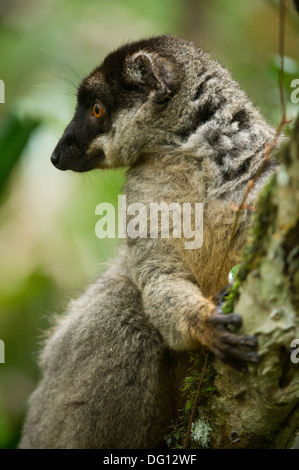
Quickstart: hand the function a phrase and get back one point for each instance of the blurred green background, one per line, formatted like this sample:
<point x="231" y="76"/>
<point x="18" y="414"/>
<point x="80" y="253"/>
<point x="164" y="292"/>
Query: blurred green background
<point x="48" y="247"/>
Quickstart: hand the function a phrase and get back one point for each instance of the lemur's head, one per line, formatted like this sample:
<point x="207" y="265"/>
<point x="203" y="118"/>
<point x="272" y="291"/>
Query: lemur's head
<point x="125" y="107"/>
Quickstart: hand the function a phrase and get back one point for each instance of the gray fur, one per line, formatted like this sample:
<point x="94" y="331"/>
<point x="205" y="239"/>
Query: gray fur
<point x="112" y="366"/>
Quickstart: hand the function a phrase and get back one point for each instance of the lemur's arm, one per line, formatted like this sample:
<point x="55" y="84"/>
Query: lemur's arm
<point x="186" y="319"/>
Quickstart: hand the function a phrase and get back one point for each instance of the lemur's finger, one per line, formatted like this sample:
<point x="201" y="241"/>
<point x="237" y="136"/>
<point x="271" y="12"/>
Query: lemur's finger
<point x="237" y="353"/>
<point x="238" y="365"/>
<point x="235" y="340"/>
<point x="233" y="319"/>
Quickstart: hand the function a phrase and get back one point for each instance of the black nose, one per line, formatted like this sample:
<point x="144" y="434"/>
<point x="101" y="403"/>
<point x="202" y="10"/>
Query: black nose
<point x="55" y="158"/>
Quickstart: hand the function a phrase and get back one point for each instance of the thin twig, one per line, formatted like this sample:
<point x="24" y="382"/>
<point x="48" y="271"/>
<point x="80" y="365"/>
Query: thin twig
<point x="204" y="369"/>
<point x="268" y="147"/>
<point x="281" y="54"/>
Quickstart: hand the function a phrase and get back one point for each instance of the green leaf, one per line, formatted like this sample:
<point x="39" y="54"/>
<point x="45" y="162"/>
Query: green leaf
<point x="14" y="135"/>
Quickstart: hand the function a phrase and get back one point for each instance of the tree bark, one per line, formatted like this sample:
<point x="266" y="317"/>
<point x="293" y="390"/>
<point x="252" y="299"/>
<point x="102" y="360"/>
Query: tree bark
<point x="261" y="409"/>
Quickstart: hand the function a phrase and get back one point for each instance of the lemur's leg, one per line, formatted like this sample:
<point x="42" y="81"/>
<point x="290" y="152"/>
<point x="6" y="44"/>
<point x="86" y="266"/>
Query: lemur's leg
<point x="105" y="377"/>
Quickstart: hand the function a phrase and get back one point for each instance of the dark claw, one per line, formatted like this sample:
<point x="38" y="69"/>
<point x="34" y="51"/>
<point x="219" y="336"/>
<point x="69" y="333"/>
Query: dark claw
<point x="239" y="365"/>
<point x="250" y="341"/>
<point x="253" y="357"/>
<point x="234" y="340"/>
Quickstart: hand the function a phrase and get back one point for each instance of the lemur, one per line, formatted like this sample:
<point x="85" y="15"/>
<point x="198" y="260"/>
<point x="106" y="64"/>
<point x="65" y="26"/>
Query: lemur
<point x="113" y="364"/>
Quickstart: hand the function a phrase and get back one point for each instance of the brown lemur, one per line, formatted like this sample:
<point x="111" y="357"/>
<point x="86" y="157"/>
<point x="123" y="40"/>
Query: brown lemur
<point x="112" y="366"/>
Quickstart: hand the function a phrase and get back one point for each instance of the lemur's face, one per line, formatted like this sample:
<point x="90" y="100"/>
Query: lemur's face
<point x="121" y="109"/>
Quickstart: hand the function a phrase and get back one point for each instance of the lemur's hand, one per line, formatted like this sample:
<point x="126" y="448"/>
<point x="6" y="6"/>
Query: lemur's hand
<point x="232" y="349"/>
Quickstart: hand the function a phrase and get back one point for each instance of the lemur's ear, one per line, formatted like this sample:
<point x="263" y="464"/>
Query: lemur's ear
<point x="154" y="73"/>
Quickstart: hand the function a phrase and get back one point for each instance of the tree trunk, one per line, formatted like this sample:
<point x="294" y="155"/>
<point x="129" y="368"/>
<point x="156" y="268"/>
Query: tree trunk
<point x="261" y="409"/>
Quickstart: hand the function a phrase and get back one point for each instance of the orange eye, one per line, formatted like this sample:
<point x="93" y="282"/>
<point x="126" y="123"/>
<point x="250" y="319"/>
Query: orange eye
<point x="97" y="110"/>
